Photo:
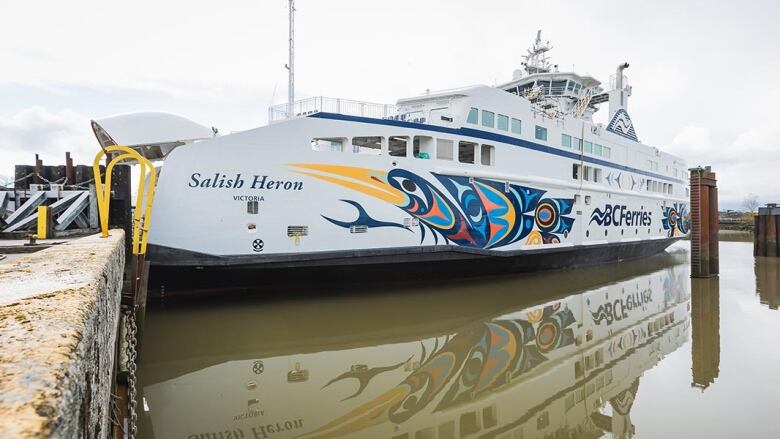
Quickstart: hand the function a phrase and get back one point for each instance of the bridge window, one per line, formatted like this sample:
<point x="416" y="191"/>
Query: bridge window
<point x="503" y="122"/>
<point x="423" y="147"/>
<point x="488" y="118"/>
<point x="516" y="126"/>
<point x="444" y="149"/>
<point x="577" y="144"/>
<point x="466" y="151"/>
<point x="334" y="144"/>
<point x="566" y="140"/>
<point x="597" y="149"/>
<point x="397" y="146"/>
<point x="606" y="152"/>
<point x="367" y="145"/>
<point x="541" y="133"/>
<point x="558" y="87"/>
<point x="473" y="116"/>
<point x="487" y="157"/>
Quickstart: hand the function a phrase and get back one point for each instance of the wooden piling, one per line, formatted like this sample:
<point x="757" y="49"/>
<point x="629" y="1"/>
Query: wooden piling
<point x="704" y="223"/>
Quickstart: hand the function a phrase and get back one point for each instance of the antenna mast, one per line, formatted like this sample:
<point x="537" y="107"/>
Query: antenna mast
<point x="291" y="66"/>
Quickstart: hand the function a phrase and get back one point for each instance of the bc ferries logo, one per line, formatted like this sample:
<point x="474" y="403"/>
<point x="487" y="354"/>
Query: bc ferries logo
<point x="621" y="125"/>
<point x="620" y="215"/>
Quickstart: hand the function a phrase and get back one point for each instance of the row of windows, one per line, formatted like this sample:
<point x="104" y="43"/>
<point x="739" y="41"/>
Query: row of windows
<point x="657" y="186"/>
<point x="421" y="147"/>
<point x="589" y="173"/>
<point x="503" y="123"/>
<point x="585" y="145"/>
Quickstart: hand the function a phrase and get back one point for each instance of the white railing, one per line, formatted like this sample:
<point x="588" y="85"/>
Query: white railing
<point x="331" y="105"/>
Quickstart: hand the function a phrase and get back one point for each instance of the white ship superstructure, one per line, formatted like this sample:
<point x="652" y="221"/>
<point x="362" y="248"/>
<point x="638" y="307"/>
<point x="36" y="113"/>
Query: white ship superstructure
<point x="519" y="174"/>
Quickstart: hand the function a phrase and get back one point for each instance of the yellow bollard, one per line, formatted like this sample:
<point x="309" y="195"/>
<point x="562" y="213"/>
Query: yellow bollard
<point x="44" y="222"/>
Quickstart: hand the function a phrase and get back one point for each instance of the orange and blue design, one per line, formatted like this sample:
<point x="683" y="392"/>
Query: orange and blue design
<point x="471" y="212"/>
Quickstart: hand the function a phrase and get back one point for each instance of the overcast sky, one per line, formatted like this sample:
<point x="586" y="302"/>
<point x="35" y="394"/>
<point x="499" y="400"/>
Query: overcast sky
<point x="706" y="74"/>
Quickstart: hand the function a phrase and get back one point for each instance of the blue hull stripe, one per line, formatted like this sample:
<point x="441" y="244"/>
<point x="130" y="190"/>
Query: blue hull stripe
<point x="485" y="135"/>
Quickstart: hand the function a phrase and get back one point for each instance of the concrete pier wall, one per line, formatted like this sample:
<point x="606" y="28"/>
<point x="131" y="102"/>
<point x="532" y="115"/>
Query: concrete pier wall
<point x="59" y="313"/>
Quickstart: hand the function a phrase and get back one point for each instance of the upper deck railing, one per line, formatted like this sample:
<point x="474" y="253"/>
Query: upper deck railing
<point x="331" y="105"/>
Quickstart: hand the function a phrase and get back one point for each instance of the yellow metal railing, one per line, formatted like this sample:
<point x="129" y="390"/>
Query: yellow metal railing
<point x="141" y="216"/>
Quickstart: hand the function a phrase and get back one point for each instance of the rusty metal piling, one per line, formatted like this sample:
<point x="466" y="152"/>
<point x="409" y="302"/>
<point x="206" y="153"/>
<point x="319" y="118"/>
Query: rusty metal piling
<point x="767" y="225"/>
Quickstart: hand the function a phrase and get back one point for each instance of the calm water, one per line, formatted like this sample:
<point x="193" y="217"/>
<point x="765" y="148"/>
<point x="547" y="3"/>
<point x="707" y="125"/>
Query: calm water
<point x="627" y="350"/>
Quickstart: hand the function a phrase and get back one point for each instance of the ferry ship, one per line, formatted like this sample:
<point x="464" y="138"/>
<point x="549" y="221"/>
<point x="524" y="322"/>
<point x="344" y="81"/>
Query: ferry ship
<point x="563" y="367"/>
<point x="518" y="176"/>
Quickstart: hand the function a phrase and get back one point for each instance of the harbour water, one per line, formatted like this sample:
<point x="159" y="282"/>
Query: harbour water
<point x="635" y="349"/>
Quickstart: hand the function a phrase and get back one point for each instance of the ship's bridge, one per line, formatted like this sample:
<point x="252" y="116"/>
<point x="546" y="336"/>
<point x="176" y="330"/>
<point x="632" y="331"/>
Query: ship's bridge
<point x="566" y="84"/>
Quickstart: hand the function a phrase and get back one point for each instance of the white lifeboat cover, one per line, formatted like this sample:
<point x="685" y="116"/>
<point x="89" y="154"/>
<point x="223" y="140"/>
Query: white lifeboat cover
<point x="148" y="130"/>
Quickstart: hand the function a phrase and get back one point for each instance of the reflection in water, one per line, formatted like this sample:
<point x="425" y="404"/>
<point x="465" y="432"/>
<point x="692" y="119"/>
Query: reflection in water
<point x="705" y="322"/>
<point x="491" y="357"/>
<point x="768" y="281"/>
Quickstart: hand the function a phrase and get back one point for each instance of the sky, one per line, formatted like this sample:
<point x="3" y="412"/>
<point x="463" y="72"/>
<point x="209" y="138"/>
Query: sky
<point x="704" y="73"/>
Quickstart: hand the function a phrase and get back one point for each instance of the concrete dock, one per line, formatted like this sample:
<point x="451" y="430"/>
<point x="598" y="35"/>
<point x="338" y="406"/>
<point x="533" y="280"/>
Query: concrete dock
<point x="59" y="315"/>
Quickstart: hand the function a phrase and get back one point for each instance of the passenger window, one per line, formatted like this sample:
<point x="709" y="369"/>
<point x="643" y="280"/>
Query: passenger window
<point x="397" y="146"/>
<point x="541" y="133"/>
<point x="423" y="147"/>
<point x="503" y="122"/>
<point x="588" y="147"/>
<point x="367" y="145"/>
<point x="516" y="126"/>
<point x="575" y="171"/>
<point x="466" y="151"/>
<point x="488" y="118"/>
<point x="444" y="149"/>
<point x="335" y="144"/>
<point x="597" y="175"/>
<point x="566" y="140"/>
<point x="473" y="116"/>
<point x="586" y="173"/>
<point x="487" y="156"/>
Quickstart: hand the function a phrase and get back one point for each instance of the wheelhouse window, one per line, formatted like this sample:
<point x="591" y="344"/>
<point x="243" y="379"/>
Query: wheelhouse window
<point x="423" y="147"/>
<point x="488" y="119"/>
<point x="487" y="156"/>
<point x="473" y="116"/>
<point x="332" y="144"/>
<point x="597" y="149"/>
<point x="397" y="146"/>
<point x="606" y="152"/>
<point x="466" y="151"/>
<point x="577" y="143"/>
<point x="516" y="126"/>
<point x="444" y="149"/>
<point x="503" y="122"/>
<point x="566" y="140"/>
<point x="541" y="133"/>
<point x="367" y="145"/>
